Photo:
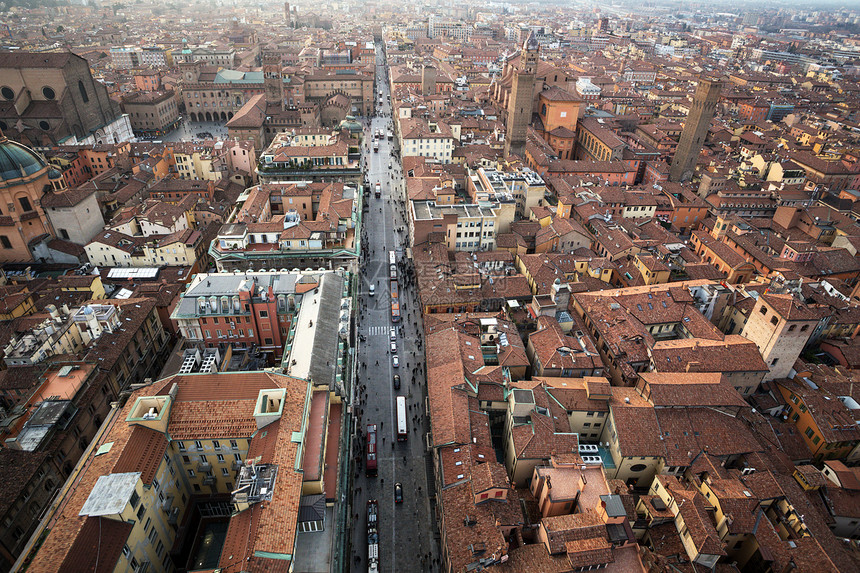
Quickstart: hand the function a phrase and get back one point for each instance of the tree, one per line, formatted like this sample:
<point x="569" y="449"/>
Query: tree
<point x="60" y="29"/>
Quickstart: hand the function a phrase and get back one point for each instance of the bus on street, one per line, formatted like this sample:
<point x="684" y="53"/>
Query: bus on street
<point x="370" y="463"/>
<point x="401" y="419"/>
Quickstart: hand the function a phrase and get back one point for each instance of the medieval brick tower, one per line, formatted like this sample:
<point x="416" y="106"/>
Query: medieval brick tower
<point x="272" y="81"/>
<point x="695" y="129"/>
<point x="521" y="99"/>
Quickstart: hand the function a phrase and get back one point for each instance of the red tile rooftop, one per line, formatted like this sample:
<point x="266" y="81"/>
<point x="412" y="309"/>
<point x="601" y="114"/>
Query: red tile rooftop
<point x="266" y="529"/>
<point x="315" y="437"/>
<point x="332" y="451"/>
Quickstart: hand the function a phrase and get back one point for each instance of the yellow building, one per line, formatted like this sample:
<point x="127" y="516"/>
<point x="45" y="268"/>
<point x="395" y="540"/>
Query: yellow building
<point x="653" y="271"/>
<point x="23" y="177"/>
<point x="15" y="301"/>
<point x="822" y="420"/>
<point x="194" y="161"/>
<point x="192" y="450"/>
<point x="91" y="284"/>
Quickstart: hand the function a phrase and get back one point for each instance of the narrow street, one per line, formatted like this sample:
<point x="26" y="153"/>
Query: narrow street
<point x="406" y="530"/>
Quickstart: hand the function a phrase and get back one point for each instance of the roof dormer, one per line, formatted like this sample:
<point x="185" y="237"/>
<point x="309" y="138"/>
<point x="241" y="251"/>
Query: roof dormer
<point x="269" y="407"/>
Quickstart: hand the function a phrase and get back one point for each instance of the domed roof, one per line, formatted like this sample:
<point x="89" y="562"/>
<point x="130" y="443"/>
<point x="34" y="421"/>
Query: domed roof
<point x="17" y="160"/>
<point x="351" y="125"/>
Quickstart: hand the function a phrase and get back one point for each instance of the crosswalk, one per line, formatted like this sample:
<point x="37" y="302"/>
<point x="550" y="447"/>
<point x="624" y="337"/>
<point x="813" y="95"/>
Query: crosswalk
<point x="377" y="330"/>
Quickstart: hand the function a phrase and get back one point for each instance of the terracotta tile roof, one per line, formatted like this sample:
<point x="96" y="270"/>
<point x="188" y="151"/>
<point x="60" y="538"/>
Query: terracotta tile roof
<point x="739" y="507"/>
<point x="845" y="503"/>
<point x="265" y="528"/>
<point x="732" y="354"/>
<point x="812" y="475"/>
<point x="444" y="371"/>
<point x="98" y="547"/>
<point x="789" y="307"/>
<point x="561" y="529"/>
<point x="454" y="461"/>
<point x="555" y="350"/>
<point x="589" y="552"/>
<point x="457" y="504"/>
<point x="108" y="349"/>
<point x="489" y="475"/>
<point x="707" y="430"/>
<point x="539" y="440"/>
<point x="572" y="394"/>
<point x="67" y="198"/>
<point x="689" y="390"/>
<point x="20" y="377"/>
<point x="143" y="453"/>
<point x="848" y="477"/>
<point x="17" y="470"/>
<point x="691" y="506"/>
<point x="312" y="459"/>
<point x="636" y="426"/>
<point x="534" y="559"/>
<point x="491" y="392"/>
<point x="821" y="551"/>
<point x="833" y="419"/>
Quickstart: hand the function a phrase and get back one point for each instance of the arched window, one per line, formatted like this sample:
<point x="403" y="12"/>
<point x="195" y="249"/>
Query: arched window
<point x="774" y="321"/>
<point x="792" y="328"/>
<point x="804" y="328"/>
<point x="83" y="91"/>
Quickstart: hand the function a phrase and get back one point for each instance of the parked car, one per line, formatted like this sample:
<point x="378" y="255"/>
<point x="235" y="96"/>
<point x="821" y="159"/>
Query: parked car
<point x="397" y="381"/>
<point x="372" y="290"/>
<point x="398" y="493"/>
<point x="392" y="334"/>
<point x="393" y="348"/>
<point x="395" y="361"/>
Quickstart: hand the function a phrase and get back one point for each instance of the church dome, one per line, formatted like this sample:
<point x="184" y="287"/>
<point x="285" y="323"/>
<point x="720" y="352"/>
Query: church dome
<point x="350" y="124"/>
<point x="17" y="161"/>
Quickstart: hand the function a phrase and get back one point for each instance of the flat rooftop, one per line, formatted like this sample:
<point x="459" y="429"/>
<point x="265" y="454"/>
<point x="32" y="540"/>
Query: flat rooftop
<point x="429" y="210"/>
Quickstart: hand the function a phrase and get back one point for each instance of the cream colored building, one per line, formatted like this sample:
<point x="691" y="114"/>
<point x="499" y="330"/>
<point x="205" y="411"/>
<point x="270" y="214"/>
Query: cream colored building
<point x="420" y="138"/>
<point x="466" y="227"/>
<point x="524" y="185"/>
<point x="57" y="334"/>
<point x="196" y="163"/>
<point x="114" y="249"/>
<point x="162" y="452"/>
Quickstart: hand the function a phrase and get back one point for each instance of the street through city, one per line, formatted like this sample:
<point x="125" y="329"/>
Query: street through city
<point x="407" y="538"/>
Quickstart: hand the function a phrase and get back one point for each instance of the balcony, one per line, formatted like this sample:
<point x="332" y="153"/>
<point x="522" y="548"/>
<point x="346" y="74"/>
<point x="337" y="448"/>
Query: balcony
<point x="204" y="467"/>
<point x="209" y="480"/>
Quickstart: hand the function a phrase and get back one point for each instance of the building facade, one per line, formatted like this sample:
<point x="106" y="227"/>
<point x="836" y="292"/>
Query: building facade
<point x="153" y="113"/>
<point x="51" y="98"/>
